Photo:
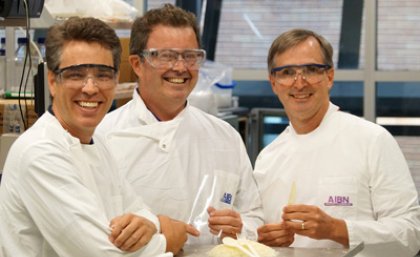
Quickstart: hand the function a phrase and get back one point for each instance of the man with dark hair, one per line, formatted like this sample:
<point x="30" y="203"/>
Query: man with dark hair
<point x="348" y="180"/>
<point x="186" y="163"/>
<point x="61" y="193"/>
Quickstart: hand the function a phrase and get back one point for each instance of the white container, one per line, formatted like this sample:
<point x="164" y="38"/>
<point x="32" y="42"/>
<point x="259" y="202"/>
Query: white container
<point x="223" y="88"/>
<point x="223" y="94"/>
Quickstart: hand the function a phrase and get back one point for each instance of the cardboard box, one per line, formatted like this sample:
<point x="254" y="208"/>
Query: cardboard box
<point x="126" y="72"/>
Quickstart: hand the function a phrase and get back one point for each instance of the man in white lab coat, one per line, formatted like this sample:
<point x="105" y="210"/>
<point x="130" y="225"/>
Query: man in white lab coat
<point x="330" y="179"/>
<point x="186" y="163"/>
<point x="61" y="194"/>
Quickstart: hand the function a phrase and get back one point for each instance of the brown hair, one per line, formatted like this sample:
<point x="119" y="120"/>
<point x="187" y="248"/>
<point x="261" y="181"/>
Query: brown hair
<point x="168" y="15"/>
<point x="90" y="30"/>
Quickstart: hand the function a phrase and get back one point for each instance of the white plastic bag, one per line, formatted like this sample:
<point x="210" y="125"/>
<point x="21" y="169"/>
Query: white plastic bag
<point x="203" y="96"/>
<point x="108" y="10"/>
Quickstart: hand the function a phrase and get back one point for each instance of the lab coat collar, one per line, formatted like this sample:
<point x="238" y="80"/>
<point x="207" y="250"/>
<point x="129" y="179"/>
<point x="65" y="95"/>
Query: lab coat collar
<point x="162" y="132"/>
<point x="144" y="115"/>
<point x="51" y="111"/>
<point x="55" y="127"/>
<point x="140" y="110"/>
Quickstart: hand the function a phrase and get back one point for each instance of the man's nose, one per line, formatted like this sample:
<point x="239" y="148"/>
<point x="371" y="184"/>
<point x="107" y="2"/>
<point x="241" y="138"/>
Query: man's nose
<point x="300" y="82"/>
<point x="90" y="85"/>
<point x="180" y="64"/>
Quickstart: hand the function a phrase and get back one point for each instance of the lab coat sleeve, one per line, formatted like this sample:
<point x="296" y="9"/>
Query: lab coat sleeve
<point x="248" y="201"/>
<point x="65" y="211"/>
<point x="396" y="228"/>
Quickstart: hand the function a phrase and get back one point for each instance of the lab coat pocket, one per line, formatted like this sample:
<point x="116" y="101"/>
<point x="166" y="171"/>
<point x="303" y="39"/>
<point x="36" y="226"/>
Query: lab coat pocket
<point x="224" y="189"/>
<point x="338" y="196"/>
<point x="217" y="190"/>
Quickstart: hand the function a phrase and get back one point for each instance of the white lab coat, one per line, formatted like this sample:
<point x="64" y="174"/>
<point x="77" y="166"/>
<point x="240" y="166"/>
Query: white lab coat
<point x="183" y="165"/>
<point x="352" y="169"/>
<point x="57" y="197"/>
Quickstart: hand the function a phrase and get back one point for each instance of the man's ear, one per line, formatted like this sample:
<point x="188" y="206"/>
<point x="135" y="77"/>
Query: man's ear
<point x="330" y="75"/>
<point x="272" y="83"/>
<point x="135" y="62"/>
<point x="52" y="83"/>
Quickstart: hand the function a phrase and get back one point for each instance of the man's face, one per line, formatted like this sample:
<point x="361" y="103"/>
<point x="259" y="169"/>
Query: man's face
<point x="303" y="100"/>
<point x="80" y="104"/>
<point x="165" y="90"/>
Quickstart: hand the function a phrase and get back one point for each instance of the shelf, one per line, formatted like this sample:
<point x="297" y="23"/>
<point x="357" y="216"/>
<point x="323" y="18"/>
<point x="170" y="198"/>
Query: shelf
<point x="47" y="19"/>
<point x="44" y="21"/>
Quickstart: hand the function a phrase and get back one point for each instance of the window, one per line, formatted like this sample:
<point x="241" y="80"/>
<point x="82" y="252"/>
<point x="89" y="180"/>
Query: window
<point x="247" y="27"/>
<point x="398" y="35"/>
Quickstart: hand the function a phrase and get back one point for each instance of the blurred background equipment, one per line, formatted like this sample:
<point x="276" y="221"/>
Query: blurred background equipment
<point x="12" y="9"/>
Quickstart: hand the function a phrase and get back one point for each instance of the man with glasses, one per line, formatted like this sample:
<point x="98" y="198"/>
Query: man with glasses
<point x="330" y="179"/>
<point x="61" y="193"/>
<point x="187" y="164"/>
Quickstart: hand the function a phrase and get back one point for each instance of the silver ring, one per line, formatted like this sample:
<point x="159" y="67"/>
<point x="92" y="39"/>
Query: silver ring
<point x="302" y="225"/>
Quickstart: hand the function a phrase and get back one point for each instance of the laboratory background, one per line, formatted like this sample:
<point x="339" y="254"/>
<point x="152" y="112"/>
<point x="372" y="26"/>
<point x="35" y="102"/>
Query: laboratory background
<point x="376" y="57"/>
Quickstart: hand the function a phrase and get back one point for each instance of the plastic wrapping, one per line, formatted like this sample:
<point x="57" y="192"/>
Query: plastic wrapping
<point x="108" y="10"/>
<point x="215" y="191"/>
<point x="204" y="95"/>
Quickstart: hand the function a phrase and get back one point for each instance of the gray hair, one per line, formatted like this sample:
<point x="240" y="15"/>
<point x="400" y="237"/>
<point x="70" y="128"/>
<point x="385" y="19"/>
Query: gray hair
<point x="291" y="38"/>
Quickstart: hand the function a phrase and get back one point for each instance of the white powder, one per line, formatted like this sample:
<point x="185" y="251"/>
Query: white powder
<point x="228" y="251"/>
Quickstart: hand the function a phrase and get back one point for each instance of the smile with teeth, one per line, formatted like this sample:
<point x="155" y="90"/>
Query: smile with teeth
<point x="176" y="80"/>
<point x="88" y="104"/>
<point x="301" y="96"/>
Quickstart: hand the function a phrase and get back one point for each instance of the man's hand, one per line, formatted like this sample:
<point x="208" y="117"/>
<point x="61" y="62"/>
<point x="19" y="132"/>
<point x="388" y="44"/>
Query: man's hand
<point x="311" y="221"/>
<point x="175" y="232"/>
<point x="275" y="235"/>
<point x="130" y="232"/>
<point x="226" y="220"/>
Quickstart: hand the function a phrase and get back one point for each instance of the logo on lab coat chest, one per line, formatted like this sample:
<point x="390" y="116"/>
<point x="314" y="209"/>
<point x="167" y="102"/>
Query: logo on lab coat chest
<point x="337" y="200"/>
<point x="227" y="198"/>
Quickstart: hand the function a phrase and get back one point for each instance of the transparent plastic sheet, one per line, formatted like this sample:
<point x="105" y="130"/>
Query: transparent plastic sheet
<point x="203" y="96"/>
<point x="108" y="10"/>
<point x="214" y="191"/>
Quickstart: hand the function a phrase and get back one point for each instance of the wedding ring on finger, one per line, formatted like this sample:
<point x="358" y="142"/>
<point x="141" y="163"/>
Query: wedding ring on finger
<point x="302" y="225"/>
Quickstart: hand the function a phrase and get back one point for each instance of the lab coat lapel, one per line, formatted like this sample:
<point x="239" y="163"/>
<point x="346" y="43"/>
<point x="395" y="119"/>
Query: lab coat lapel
<point x="162" y="132"/>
